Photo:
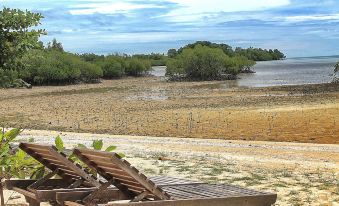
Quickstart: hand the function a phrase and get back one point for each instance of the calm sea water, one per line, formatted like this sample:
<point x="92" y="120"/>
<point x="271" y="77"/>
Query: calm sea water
<point x="294" y="71"/>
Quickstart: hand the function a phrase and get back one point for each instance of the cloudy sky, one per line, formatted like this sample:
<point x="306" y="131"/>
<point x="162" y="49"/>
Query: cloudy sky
<point x="297" y="27"/>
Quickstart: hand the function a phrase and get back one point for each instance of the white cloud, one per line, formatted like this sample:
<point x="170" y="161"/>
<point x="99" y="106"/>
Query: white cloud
<point x="109" y="7"/>
<point x="312" y="18"/>
<point x="194" y="9"/>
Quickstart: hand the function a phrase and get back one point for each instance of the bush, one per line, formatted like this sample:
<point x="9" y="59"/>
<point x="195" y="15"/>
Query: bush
<point x="137" y="67"/>
<point x="55" y="67"/>
<point x="90" y="72"/>
<point x="112" y="67"/>
<point x="8" y="78"/>
<point x="205" y="63"/>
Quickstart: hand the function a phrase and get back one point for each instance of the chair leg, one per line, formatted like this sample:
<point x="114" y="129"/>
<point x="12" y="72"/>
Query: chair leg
<point x="2" y="198"/>
<point x="32" y="202"/>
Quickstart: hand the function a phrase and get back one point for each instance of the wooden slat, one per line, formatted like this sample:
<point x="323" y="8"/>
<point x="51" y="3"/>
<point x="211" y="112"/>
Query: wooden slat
<point x="58" y="158"/>
<point x="107" y="195"/>
<point x="9" y="184"/>
<point x="121" y="177"/>
<point x="24" y="192"/>
<point x="70" y="203"/>
<point x="92" y="155"/>
<point x="91" y="163"/>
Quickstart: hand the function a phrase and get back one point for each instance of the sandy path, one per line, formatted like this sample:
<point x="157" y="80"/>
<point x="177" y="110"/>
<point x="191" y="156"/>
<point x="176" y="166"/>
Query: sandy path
<point x="301" y="174"/>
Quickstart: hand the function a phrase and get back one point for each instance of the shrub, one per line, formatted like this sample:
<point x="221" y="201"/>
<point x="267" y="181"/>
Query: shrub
<point x="8" y="78"/>
<point x="137" y="67"/>
<point x="90" y="72"/>
<point x="55" y="67"/>
<point x="205" y="63"/>
<point x="112" y="68"/>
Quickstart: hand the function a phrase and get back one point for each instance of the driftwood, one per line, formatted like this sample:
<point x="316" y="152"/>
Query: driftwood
<point x="24" y="84"/>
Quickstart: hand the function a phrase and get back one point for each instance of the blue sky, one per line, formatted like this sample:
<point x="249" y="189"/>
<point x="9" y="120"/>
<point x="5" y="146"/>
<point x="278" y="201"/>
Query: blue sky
<point x="297" y="27"/>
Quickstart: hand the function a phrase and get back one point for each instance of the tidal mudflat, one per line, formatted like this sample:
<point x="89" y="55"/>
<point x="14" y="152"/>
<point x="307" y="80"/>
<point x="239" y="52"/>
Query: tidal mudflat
<point x="150" y="106"/>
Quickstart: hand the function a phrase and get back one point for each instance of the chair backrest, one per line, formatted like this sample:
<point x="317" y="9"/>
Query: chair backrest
<point x="49" y="156"/>
<point x="120" y="172"/>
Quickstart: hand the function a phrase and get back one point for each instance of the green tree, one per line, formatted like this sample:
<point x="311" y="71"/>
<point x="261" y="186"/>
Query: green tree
<point x="16" y="36"/>
<point x="172" y="53"/>
<point x="202" y="63"/>
<point x="255" y="54"/>
<point x="112" y="68"/>
<point x="55" y="45"/>
<point x="137" y="66"/>
<point x="206" y="63"/>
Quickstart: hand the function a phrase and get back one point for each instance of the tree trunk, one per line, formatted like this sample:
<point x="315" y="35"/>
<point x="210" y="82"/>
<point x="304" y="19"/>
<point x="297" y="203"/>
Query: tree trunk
<point x="2" y="199"/>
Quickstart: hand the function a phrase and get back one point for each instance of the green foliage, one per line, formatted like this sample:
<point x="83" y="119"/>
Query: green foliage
<point x="55" y="45"/>
<point x="59" y="144"/>
<point x="137" y="67"/>
<point x="172" y="53"/>
<point x="154" y="58"/>
<point x="14" y="163"/>
<point x="254" y="54"/>
<point x="90" y="57"/>
<point x="97" y="144"/>
<point x="16" y="36"/>
<point x="111" y="148"/>
<point x="258" y="54"/>
<point x="8" y="78"/>
<point x="117" y="66"/>
<point x="112" y="67"/>
<point x="19" y="165"/>
<point x="55" y="67"/>
<point x="205" y="63"/>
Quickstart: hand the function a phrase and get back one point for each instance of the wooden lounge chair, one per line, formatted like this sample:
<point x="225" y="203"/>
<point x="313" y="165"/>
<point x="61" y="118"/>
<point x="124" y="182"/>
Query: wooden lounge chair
<point x="74" y="184"/>
<point x="139" y="190"/>
<point x="44" y="190"/>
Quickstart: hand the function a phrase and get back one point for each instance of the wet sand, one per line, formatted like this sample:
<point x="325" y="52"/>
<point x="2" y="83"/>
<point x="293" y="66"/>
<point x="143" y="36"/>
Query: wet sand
<point x="151" y="106"/>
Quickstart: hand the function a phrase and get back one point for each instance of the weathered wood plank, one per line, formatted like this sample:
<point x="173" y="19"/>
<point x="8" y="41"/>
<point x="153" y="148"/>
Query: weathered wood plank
<point x="232" y="201"/>
<point x="25" y="192"/>
<point x="107" y="195"/>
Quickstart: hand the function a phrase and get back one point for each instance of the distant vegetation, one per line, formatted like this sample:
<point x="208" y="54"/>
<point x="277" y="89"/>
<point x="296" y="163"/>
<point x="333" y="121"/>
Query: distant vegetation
<point x="255" y="54"/>
<point x="205" y="60"/>
<point x="205" y="63"/>
<point x="154" y="58"/>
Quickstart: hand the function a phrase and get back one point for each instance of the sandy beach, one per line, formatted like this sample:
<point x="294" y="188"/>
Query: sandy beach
<point x="300" y="173"/>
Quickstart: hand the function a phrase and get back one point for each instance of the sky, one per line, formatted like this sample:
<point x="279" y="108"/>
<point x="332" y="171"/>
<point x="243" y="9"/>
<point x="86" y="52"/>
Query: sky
<point x="299" y="28"/>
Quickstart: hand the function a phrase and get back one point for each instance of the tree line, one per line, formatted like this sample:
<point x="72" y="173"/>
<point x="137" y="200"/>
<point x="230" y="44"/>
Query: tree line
<point x="23" y="58"/>
<point x="254" y="54"/>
